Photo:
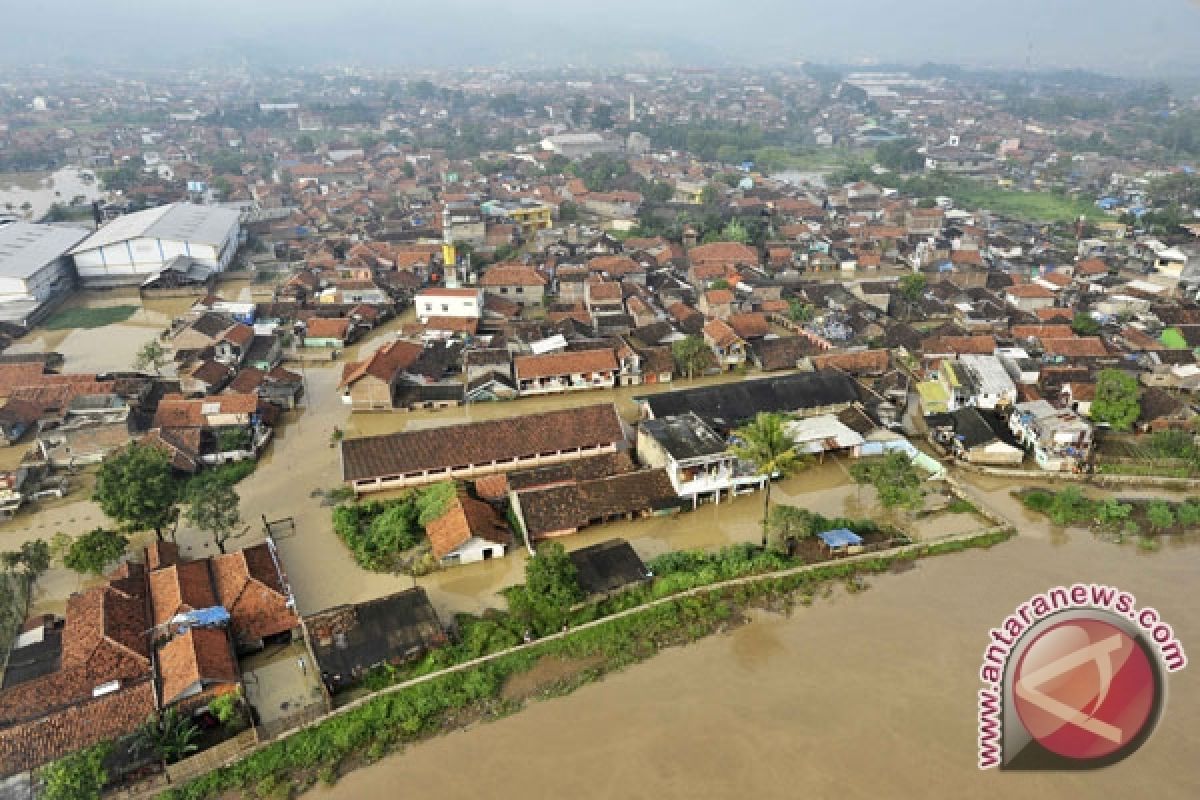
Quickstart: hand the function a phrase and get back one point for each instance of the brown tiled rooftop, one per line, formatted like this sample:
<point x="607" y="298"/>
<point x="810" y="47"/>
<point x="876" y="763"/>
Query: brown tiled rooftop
<point x="486" y="442"/>
<point x="466" y="517"/>
<point x="181" y="587"/>
<point x="200" y="657"/>
<point x="581" y="362"/>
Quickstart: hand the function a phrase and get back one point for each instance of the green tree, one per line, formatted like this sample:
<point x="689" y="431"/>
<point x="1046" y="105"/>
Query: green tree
<point x="765" y="444"/>
<point x="152" y="355"/>
<point x="692" y="355"/>
<point x="912" y="289"/>
<point x="551" y="588"/>
<point x="1188" y="513"/>
<point x="168" y="736"/>
<point x="1159" y="515"/>
<point x="32" y="558"/>
<point x="1070" y="507"/>
<point x="895" y="479"/>
<point x="95" y="550"/>
<point x="213" y="507"/>
<point x="433" y="501"/>
<point x="79" y="776"/>
<point x="305" y="143"/>
<point x="1085" y="324"/>
<point x="1116" y="401"/>
<point x="137" y="488"/>
<point x="799" y="311"/>
<point x="789" y="522"/>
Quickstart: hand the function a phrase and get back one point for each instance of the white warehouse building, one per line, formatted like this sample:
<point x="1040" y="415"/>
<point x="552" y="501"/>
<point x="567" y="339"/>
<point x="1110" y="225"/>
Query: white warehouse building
<point x="35" y="270"/>
<point x="135" y="248"/>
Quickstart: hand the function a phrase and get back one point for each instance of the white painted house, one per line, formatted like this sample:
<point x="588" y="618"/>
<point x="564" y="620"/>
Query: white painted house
<point x="137" y="247"/>
<point x="450" y="303"/>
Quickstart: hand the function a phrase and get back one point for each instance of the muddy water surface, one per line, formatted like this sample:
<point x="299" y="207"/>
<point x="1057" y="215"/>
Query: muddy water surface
<point x="863" y="696"/>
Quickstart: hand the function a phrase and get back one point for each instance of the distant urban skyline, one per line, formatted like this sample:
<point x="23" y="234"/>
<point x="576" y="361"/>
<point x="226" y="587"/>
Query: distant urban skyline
<point x="1154" y="38"/>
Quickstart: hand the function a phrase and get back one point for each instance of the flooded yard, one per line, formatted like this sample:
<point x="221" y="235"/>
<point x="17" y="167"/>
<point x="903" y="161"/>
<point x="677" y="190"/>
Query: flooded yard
<point x="42" y="189"/>
<point x="869" y="695"/>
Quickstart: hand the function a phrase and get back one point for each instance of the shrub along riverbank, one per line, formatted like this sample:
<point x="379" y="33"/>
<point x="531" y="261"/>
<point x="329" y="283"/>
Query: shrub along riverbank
<point x="382" y="723"/>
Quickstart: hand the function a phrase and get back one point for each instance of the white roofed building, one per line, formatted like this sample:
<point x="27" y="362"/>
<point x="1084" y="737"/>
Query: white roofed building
<point x="34" y="268"/>
<point x="137" y="247"/>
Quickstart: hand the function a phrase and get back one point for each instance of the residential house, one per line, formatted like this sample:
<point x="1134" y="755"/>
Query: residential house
<point x="566" y="371"/>
<point x="523" y="285"/>
<point x="729" y="348"/>
<point x="326" y="332"/>
<point x="977" y="437"/>
<point x="699" y="463"/>
<point x="469" y="530"/>
<point x="370" y="384"/>
<point x="449" y="303"/>
<point x="1029" y="297"/>
<point x="1059" y="439"/>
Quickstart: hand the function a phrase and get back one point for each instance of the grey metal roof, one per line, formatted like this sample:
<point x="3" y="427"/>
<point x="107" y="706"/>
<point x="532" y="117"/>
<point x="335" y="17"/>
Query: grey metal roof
<point x="685" y="436"/>
<point x="26" y="247"/>
<point x="176" y="222"/>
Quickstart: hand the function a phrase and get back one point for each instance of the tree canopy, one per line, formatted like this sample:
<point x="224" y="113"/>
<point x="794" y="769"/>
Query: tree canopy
<point x="79" y="776"/>
<point x="551" y="588"/>
<point x="895" y="479"/>
<point x="137" y="488"/>
<point x="92" y="552"/>
<point x="1116" y="402"/>
<point x="213" y="507"/>
<point x="692" y="356"/>
<point x="765" y="444"/>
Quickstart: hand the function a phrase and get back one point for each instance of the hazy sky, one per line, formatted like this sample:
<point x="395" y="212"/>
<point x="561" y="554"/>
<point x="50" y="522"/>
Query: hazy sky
<point x="1111" y="35"/>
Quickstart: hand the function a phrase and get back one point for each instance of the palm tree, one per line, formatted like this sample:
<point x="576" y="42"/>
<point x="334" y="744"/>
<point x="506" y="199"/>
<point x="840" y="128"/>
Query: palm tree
<point x="765" y="444"/>
<point x="169" y="737"/>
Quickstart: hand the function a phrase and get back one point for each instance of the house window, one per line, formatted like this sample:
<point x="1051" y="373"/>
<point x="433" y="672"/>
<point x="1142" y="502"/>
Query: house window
<point x="503" y="290"/>
<point x="445" y="307"/>
<point x="520" y="290"/>
<point x="429" y="306"/>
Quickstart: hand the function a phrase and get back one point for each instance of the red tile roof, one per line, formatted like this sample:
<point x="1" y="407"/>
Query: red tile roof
<point x="383" y="364"/>
<point x="251" y="589"/>
<point x="326" y="328"/>
<point x="178" y="588"/>
<point x="512" y="275"/>
<point x="749" y="325"/>
<point x="465" y="517"/>
<point x="1078" y="347"/>
<point x="575" y="362"/>
<point x="200" y="657"/>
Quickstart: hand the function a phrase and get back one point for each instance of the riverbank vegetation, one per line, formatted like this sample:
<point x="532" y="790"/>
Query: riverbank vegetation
<point x="389" y="720"/>
<point x="389" y="535"/>
<point x="1132" y="518"/>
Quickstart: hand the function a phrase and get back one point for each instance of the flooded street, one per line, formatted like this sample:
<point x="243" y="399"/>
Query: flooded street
<point x="870" y="695"/>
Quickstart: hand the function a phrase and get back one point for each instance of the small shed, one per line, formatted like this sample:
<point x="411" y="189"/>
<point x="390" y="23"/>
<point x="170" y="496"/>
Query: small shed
<point x="841" y="541"/>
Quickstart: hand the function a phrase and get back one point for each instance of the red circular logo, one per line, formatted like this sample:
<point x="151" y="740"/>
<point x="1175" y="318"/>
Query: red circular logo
<point x="1084" y="689"/>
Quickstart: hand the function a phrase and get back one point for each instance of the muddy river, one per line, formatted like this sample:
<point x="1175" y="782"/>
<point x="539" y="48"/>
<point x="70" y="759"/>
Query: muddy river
<point x="870" y="695"/>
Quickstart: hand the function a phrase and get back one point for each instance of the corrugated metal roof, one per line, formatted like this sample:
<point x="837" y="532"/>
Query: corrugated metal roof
<point x="176" y="222"/>
<point x="26" y="247"/>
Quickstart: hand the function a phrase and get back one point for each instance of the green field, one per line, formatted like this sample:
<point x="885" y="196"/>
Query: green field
<point x="1033" y="206"/>
<point x="89" y="317"/>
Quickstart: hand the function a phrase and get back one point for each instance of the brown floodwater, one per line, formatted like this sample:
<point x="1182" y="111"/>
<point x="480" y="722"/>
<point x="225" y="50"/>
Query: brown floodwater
<point x="868" y="695"/>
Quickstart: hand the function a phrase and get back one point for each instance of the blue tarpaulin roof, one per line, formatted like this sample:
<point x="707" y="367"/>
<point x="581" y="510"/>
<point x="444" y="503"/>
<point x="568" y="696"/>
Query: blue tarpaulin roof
<point x="205" y="617"/>
<point x="840" y="537"/>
